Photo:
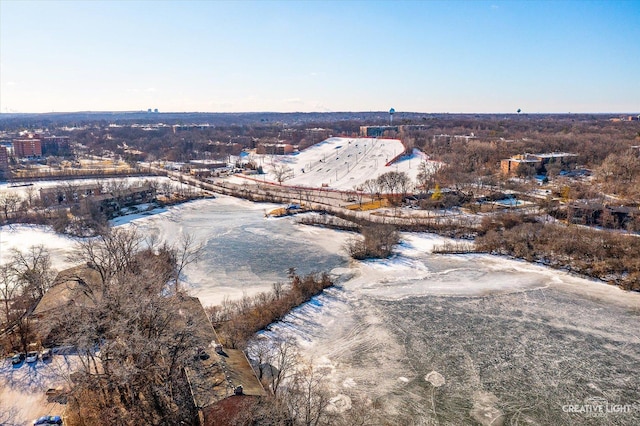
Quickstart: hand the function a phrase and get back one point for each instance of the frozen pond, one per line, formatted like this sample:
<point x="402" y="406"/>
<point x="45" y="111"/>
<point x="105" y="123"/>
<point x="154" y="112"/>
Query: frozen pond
<point x="513" y="343"/>
<point x="508" y="342"/>
<point x="244" y="252"/>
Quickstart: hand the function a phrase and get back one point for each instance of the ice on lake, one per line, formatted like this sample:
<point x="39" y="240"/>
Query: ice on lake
<point x="507" y="337"/>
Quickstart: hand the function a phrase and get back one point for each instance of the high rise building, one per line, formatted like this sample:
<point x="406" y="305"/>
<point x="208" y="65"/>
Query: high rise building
<point x="55" y="145"/>
<point x="27" y="148"/>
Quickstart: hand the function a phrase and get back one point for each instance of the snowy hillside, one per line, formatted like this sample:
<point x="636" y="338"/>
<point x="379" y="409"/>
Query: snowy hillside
<point x="344" y="163"/>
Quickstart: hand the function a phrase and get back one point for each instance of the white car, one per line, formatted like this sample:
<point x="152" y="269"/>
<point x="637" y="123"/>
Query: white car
<point x="32" y="357"/>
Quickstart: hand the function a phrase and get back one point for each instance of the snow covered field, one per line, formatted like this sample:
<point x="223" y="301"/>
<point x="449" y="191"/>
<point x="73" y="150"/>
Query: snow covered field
<point x="343" y="163"/>
<point x="514" y="342"/>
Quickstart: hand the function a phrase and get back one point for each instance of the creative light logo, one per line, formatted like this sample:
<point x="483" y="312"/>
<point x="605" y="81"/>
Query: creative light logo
<point x="596" y="406"/>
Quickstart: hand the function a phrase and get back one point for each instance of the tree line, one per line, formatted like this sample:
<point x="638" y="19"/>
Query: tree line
<point x="24" y="278"/>
<point x="612" y="257"/>
<point x="237" y="321"/>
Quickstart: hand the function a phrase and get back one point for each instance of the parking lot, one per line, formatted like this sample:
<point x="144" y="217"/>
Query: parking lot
<point x="23" y="388"/>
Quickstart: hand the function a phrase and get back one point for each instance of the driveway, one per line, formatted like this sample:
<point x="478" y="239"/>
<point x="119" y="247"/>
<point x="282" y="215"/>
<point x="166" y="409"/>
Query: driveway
<point x="23" y="388"/>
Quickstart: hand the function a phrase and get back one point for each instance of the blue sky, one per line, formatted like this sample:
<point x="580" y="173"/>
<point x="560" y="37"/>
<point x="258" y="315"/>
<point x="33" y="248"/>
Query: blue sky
<point x="423" y="56"/>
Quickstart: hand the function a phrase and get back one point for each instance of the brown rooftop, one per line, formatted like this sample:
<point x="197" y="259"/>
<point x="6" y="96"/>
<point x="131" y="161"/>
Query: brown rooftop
<point x="73" y="285"/>
<point x="225" y="370"/>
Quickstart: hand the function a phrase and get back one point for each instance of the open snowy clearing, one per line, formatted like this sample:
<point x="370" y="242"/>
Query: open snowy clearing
<point x="343" y="163"/>
<point x="23" y="388"/>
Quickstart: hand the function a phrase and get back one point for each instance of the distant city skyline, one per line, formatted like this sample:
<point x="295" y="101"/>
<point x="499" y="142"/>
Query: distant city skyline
<point x="313" y="56"/>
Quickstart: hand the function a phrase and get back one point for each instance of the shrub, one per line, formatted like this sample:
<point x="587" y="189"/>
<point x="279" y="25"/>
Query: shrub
<point x="377" y="242"/>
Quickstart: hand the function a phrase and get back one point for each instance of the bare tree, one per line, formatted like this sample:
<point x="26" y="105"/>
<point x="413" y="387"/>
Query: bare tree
<point x="259" y="352"/>
<point x="372" y="187"/>
<point x="110" y="254"/>
<point x="9" y="204"/>
<point x="277" y="290"/>
<point x="393" y="182"/>
<point x="186" y="252"/>
<point x="10" y="289"/>
<point x="307" y="396"/>
<point x="282" y="360"/>
<point x="33" y="269"/>
<point x="404" y="184"/>
<point x="377" y="241"/>
<point x="31" y="196"/>
<point x="143" y="333"/>
<point x="23" y="281"/>
<point x="281" y="172"/>
<point x="167" y="188"/>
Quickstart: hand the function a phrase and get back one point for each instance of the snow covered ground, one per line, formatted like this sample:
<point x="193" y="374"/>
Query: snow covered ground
<point x="22" y="236"/>
<point x="23" y="387"/>
<point x="343" y="163"/>
<point x="22" y="190"/>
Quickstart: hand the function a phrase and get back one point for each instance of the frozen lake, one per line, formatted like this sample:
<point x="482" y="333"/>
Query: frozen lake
<point x="515" y="343"/>
<point x="244" y="252"/>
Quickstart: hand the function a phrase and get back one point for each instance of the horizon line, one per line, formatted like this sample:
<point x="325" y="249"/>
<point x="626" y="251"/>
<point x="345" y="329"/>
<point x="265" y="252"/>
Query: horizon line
<point x="314" y="112"/>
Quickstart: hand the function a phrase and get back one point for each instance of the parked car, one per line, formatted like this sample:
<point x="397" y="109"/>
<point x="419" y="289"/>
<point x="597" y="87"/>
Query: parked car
<point x="18" y="358"/>
<point x="46" y="354"/>
<point x="48" y="420"/>
<point x="32" y="357"/>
